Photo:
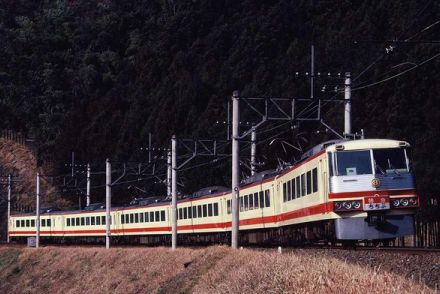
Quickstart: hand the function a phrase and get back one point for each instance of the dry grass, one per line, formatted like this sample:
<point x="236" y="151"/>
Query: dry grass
<point x="207" y="270"/>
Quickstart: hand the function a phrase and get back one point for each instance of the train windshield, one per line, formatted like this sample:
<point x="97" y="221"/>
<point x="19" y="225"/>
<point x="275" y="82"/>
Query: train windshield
<point x="351" y="163"/>
<point x="390" y="161"/>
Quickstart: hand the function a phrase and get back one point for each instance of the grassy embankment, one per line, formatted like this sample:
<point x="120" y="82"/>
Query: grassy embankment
<point x="213" y="270"/>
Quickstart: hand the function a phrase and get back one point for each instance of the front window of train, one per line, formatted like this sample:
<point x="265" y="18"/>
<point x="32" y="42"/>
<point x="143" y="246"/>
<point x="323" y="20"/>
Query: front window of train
<point x="350" y="163"/>
<point x="386" y="161"/>
<point x="390" y="161"/>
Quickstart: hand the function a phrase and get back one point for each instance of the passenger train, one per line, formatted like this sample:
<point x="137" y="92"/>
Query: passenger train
<point x="340" y="190"/>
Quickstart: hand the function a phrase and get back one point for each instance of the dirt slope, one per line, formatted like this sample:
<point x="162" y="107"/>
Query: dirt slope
<point x="19" y="160"/>
<point x="213" y="270"/>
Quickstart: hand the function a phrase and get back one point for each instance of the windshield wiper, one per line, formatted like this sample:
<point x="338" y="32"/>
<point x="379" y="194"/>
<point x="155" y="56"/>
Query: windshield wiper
<point x="380" y="169"/>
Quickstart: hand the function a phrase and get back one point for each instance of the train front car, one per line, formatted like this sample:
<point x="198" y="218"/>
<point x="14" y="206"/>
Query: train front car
<point x="372" y="188"/>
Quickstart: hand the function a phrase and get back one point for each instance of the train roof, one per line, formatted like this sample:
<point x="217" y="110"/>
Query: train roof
<point x="367" y="144"/>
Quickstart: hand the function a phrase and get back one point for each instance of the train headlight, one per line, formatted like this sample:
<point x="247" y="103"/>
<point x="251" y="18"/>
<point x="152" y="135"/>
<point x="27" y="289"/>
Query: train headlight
<point x="347" y="205"/>
<point x="350" y="205"/>
<point x="412" y="201"/>
<point x="395" y="202"/>
<point x="356" y="204"/>
<point x="338" y="205"/>
<point x="404" y="202"/>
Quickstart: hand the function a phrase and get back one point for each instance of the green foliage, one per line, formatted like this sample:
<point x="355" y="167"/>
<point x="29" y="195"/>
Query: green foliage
<point x="96" y="76"/>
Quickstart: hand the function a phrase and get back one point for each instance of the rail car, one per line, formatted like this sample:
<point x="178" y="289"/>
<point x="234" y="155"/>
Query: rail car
<point x="340" y="190"/>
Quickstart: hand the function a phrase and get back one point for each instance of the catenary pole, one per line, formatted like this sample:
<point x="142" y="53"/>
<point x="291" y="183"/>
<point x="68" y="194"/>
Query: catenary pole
<point x="174" y="193"/>
<point x="235" y="170"/>
<point x="9" y="205"/>
<point x="169" y="172"/>
<point x="37" y="221"/>
<point x="88" y="186"/>
<point x="347" y="105"/>
<point x="253" y="150"/>
<point x="108" y="195"/>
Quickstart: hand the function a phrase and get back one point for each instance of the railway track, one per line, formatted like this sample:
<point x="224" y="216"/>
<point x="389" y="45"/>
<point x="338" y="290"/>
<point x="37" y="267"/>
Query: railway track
<point x="368" y="248"/>
<point x="283" y="249"/>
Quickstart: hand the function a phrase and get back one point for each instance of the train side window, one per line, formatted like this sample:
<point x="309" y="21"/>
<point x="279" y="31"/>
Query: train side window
<point x="68" y="222"/>
<point x="315" y="179"/>
<point x="103" y="220"/>
<point x="141" y="217"/>
<point x="127" y="218"/>
<point x="88" y="221"/>
<point x="151" y="216"/>
<point x="179" y="213"/>
<point x="136" y="218"/>
<point x="194" y="211"/>
<point x="261" y="199"/>
<point x="246" y="202"/>
<point x="289" y="190"/>
<point x="162" y="215"/>
<point x="22" y="223"/>
<point x="251" y="201"/>
<point x="146" y="217"/>
<point x="199" y="211"/>
<point x="267" y="196"/>
<point x="190" y="212"/>
<point x="228" y="206"/>
<point x="92" y="220"/>
<point x="185" y="212"/>
<point x="210" y="209"/>
<point x="215" y="209"/>
<point x="205" y="210"/>
<point x="293" y="189"/>
<point x="157" y="216"/>
<point x="98" y="220"/>
<point x="83" y="221"/>
<point x="284" y="192"/>
<point x="17" y="223"/>
<point x="241" y="203"/>
<point x="28" y="223"/>
<point x="48" y="223"/>
<point x="309" y="182"/>
<point x="303" y="184"/>
<point x="122" y="219"/>
<point x="256" y="203"/>
<point x="298" y="187"/>
<point x="131" y="218"/>
<point x="33" y="223"/>
<point x="77" y="221"/>
<point x="330" y="163"/>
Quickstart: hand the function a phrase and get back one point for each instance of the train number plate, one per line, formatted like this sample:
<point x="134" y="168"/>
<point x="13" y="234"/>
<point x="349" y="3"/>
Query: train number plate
<point x="377" y="202"/>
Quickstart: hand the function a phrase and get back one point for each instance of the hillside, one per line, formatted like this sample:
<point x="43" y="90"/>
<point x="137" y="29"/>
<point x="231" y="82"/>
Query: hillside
<point x="95" y="77"/>
<point x="214" y="270"/>
<point x="19" y="161"/>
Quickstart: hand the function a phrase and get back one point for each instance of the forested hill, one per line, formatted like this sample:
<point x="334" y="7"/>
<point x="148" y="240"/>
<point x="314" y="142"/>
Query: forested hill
<point x="95" y="77"/>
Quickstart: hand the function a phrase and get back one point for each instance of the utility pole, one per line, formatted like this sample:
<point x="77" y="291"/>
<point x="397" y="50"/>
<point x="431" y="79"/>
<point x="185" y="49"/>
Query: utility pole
<point x="174" y="193"/>
<point x="108" y="195"/>
<point x="9" y="205"/>
<point x="253" y="150"/>
<point x="37" y="221"/>
<point x="235" y="170"/>
<point x="169" y="173"/>
<point x="88" y="186"/>
<point x="347" y="110"/>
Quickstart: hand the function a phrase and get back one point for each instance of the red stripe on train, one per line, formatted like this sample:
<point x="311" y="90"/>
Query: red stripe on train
<point x="312" y="210"/>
